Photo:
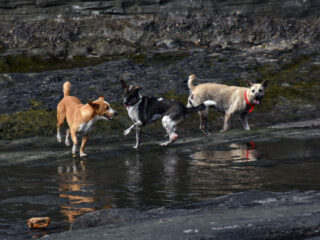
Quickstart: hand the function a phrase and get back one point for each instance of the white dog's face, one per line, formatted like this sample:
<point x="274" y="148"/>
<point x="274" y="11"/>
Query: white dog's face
<point x="256" y="91"/>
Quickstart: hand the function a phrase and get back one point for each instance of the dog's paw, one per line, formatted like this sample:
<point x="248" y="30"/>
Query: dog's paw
<point x="67" y="143"/>
<point x="135" y="146"/>
<point x="59" y="139"/>
<point x="126" y="132"/>
<point x="165" y="144"/>
<point x="83" y="155"/>
<point x="74" y="155"/>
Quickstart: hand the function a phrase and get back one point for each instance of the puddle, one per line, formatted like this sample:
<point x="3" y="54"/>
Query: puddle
<point x="64" y="188"/>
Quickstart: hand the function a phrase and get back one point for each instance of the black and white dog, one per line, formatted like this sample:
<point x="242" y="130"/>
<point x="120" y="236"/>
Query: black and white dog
<point x="143" y="110"/>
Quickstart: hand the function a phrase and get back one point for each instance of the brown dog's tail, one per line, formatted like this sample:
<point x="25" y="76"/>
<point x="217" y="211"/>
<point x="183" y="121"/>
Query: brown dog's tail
<point x="66" y="89"/>
<point x="190" y="82"/>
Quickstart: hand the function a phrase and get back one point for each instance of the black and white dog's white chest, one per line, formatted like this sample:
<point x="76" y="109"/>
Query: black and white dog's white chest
<point x="133" y="112"/>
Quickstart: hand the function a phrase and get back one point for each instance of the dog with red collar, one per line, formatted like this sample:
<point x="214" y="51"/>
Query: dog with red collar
<point x="229" y="100"/>
<point x="144" y="110"/>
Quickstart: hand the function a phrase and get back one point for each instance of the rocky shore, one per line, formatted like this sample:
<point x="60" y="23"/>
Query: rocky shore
<point x="29" y="99"/>
<point x="155" y="44"/>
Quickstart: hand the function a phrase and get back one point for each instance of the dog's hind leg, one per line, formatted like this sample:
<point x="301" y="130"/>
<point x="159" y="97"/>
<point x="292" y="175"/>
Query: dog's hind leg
<point x="244" y="121"/>
<point x="75" y="142"/>
<point x="226" y="124"/>
<point x="61" y="116"/>
<point x="170" y="127"/>
<point x="66" y="142"/>
<point x="204" y="121"/>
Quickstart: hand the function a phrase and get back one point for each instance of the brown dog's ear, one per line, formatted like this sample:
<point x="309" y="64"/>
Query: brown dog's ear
<point x="248" y="83"/>
<point x="265" y="83"/>
<point x="101" y="98"/>
<point x="123" y="84"/>
<point x="93" y="105"/>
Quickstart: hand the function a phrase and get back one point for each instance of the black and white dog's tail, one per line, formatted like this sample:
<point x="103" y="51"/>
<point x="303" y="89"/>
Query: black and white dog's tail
<point x="201" y="107"/>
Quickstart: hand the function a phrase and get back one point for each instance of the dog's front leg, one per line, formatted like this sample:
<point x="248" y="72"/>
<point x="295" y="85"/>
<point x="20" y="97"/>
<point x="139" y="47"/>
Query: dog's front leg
<point x="244" y="121"/>
<point x="83" y="144"/>
<point x="127" y="131"/>
<point x="138" y="134"/>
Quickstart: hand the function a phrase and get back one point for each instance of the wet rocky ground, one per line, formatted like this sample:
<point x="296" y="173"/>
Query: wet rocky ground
<point x="177" y="180"/>
<point x="157" y="44"/>
<point x="245" y="215"/>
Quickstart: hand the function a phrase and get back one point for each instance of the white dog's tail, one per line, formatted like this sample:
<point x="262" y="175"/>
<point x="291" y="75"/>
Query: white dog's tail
<point x="66" y="89"/>
<point x="190" y="82"/>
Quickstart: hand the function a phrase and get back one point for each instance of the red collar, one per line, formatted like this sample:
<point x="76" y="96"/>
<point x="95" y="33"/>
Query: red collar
<point x="247" y="101"/>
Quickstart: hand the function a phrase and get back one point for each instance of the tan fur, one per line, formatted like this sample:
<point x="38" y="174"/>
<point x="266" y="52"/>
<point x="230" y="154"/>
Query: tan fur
<point x="229" y="99"/>
<point x="80" y="117"/>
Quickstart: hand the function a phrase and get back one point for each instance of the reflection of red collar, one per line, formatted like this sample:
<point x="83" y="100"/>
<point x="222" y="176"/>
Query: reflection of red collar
<point x="249" y="149"/>
<point x="247" y="101"/>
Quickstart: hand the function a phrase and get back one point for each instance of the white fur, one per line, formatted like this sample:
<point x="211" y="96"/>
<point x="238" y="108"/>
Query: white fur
<point x="59" y="136"/>
<point x="133" y="112"/>
<point x="155" y="117"/>
<point x="209" y="103"/>
<point x="127" y="131"/>
<point x="66" y="142"/>
<point x="160" y="99"/>
<point x="74" y="149"/>
<point x="110" y="109"/>
<point x="169" y="124"/>
<point x="86" y="128"/>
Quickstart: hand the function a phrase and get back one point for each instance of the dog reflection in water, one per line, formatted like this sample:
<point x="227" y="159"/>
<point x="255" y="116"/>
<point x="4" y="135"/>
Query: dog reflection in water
<point x="72" y="181"/>
<point x="237" y="153"/>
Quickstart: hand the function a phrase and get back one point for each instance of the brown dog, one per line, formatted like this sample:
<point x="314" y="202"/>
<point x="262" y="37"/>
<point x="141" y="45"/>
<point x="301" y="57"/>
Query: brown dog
<point x="80" y="118"/>
<point x="229" y="100"/>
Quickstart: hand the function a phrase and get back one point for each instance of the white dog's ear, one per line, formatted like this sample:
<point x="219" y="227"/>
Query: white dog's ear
<point x="265" y="83"/>
<point x="248" y="83"/>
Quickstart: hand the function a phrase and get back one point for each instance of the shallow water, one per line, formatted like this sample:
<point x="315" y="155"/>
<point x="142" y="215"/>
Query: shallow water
<point x="64" y="188"/>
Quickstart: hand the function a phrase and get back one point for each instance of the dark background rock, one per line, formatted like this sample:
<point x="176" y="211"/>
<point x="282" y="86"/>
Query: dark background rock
<point x="69" y="28"/>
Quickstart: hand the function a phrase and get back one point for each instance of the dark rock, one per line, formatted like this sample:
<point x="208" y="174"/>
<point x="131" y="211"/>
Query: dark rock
<point x="66" y="29"/>
<point x="245" y="215"/>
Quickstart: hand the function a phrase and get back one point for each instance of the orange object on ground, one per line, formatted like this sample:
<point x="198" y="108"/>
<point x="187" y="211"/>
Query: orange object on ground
<point x="38" y="222"/>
